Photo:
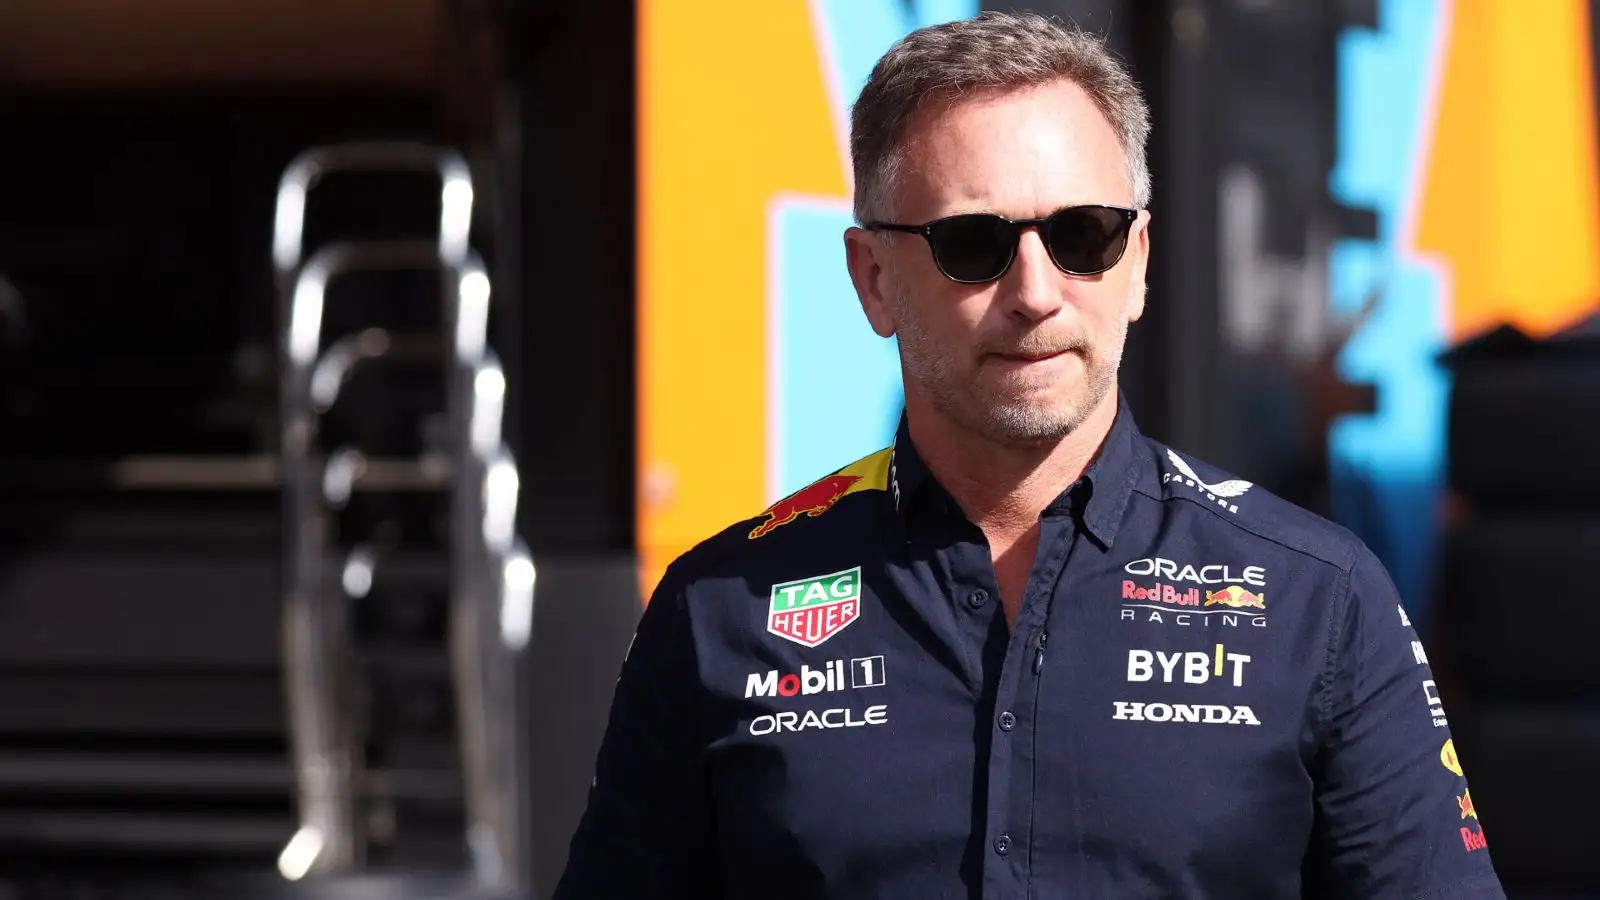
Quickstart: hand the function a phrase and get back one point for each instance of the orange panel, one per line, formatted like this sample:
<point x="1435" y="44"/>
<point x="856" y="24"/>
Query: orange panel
<point x="733" y="108"/>
<point x="1511" y="200"/>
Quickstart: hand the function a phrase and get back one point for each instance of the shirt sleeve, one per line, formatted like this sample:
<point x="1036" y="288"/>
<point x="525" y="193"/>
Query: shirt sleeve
<point x="646" y="832"/>
<point x="1394" y="815"/>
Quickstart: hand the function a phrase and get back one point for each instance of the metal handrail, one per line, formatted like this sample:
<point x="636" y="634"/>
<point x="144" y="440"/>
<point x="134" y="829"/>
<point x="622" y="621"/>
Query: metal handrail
<point x="311" y="166"/>
<point x="303" y="335"/>
<point x="492" y="574"/>
<point x="491" y="625"/>
<point x="492" y="606"/>
<point x="346" y="356"/>
<point x="315" y="632"/>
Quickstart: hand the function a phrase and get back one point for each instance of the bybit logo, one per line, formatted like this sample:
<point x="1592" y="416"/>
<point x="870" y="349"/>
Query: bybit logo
<point x="1194" y="667"/>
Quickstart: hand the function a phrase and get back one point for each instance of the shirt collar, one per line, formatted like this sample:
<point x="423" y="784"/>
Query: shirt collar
<point x="1100" y="496"/>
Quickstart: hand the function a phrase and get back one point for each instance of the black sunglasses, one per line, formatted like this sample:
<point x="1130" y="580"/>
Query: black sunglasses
<point x="973" y="248"/>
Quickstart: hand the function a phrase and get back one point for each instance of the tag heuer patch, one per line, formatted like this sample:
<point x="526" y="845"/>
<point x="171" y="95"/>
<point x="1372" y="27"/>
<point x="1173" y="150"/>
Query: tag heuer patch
<point x="808" y="611"/>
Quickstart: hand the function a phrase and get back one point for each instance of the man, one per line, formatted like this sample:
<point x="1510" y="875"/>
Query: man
<point x="1026" y="651"/>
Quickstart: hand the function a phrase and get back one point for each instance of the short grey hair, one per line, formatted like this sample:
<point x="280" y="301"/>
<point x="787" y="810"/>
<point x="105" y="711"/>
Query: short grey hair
<point x="992" y="50"/>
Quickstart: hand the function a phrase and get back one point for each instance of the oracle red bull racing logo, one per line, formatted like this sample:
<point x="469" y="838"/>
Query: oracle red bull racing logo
<point x="811" y="500"/>
<point x="808" y="611"/>
<point x="1223" y="595"/>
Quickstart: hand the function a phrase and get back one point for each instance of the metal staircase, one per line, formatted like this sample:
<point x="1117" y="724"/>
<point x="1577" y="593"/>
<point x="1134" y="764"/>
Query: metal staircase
<point x="407" y="595"/>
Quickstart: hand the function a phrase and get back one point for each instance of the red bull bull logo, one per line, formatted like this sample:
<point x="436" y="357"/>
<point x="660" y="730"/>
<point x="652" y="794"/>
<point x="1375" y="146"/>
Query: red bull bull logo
<point x="1236" y="597"/>
<point x="1464" y="802"/>
<point x="811" y="500"/>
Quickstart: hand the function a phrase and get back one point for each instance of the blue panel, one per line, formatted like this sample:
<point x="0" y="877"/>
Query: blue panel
<point x="838" y="383"/>
<point x="838" y="391"/>
<point x="1387" y="466"/>
<point x="860" y="31"/>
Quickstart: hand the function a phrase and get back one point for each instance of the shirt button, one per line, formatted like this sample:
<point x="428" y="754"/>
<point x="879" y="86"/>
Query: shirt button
<point x="1007" y="721"/>
<point x="1002" y="844"/>
<point x="978" y="598"/>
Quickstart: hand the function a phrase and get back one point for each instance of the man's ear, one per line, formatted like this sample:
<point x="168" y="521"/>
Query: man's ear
<point x="1140" y="251"/>
<point x="867" y="256"/>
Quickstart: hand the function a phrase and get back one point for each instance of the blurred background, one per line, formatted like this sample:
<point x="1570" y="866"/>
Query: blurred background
<point x="364" y="362"/>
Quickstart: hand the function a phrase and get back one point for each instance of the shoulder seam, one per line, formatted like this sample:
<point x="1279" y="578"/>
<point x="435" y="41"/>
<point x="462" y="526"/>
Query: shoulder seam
<point x="731" y="542"/>
<point x="1343" y="565"/>
<point x="1330" y="665"/>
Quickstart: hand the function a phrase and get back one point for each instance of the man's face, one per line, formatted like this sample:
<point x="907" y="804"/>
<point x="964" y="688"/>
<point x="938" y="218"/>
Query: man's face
<point x="1029" y="356"/>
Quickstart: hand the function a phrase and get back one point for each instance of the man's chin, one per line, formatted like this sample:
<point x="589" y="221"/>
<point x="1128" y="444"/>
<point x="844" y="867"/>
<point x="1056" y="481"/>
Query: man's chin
<point x="1030" y="423"/>
<point x="1031" y="417"/>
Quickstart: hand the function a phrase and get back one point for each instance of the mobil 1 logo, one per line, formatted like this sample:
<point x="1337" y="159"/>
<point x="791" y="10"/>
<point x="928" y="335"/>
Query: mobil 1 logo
<point x="830" y="677"/>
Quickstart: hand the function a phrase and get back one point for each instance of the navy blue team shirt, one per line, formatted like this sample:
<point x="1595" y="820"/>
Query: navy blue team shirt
<point x="1208" y="692"/>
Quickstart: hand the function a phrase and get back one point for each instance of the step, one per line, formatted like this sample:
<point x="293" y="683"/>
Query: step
<point x="179" y="473"/>
<point x="131" y="606"/>
<point x="105" y="776"/>
<point x="154" y="832"/>
<point x="161" y="705"/>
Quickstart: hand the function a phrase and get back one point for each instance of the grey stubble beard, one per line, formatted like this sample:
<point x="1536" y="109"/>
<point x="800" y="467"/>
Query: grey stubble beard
<point x="965" y="402"/>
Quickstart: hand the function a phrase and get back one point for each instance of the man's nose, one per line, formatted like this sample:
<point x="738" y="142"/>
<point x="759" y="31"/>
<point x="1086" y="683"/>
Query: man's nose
<point x="1033" y="285"/>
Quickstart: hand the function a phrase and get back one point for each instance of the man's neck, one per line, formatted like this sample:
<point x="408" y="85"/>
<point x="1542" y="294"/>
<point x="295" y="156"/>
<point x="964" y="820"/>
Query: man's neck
<point x="1003" y="487"/>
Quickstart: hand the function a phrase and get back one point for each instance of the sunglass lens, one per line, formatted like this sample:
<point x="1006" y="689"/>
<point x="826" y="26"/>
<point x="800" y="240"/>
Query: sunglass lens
<point x="973" y="248"/>
<point x="1087" y="240"/>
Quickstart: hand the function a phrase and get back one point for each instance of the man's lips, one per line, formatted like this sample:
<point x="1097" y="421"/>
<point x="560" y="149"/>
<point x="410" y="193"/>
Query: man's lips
<point x="1031" y="357"/>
